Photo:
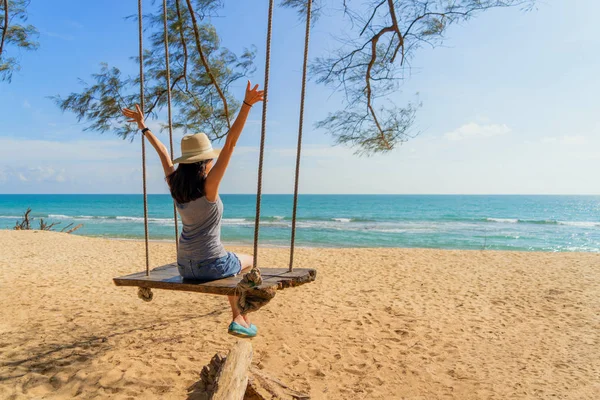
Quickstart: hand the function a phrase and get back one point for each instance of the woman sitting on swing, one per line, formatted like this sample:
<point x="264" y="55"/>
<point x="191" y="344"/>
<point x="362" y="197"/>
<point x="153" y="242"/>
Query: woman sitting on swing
<point x="194" y="186"/>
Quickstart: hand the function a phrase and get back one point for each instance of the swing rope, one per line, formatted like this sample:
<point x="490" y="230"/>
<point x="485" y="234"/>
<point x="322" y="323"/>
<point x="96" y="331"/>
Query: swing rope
<point x="141" y="55"/>
<point x="168" y="66"/>
<point x="143" y="292"/>
<point x="246" y="302"/>
<point x="263" y="134"/>
<point x="300" y="126"/>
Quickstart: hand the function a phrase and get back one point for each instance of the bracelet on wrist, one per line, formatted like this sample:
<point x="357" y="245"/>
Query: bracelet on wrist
<point x="249" y="105"/>
<point x="145" y="130"/>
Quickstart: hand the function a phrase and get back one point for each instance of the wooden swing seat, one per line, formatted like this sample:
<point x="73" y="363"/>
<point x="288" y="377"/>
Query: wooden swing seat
<point x="167" y="277"/>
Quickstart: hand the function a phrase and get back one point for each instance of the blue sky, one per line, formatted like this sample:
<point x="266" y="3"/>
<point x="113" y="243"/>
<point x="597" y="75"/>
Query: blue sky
<point x="510" y="105"/>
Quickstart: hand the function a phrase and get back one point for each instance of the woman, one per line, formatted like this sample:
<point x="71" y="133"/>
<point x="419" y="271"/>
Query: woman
<point x="194" y="186"/>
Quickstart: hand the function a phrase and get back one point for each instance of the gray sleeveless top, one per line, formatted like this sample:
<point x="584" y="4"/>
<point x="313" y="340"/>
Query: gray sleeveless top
<point x="200" y="237"/>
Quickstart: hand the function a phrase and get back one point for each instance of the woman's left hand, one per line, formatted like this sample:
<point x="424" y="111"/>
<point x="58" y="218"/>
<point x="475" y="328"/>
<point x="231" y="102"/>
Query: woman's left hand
<point x="135" y="116"/>
<point x="253" y="95"/>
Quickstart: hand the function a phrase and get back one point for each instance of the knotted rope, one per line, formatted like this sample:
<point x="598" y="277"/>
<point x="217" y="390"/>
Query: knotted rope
<point x="141" y="49"/>
<point x="252" y="296"/>
<point x="249" y="299"/>
<point x="300" y="126"/>
<point x="145" y="293"/>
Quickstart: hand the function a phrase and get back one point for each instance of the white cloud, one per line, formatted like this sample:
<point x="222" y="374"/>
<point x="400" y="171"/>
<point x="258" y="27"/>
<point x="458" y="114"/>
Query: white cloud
<point x="34" y="152"/>
<point x="474" y="129"/>
<point x="32" y="174"/>
<point x="566" y="139"/>
<point x="26" y="104"/>
<point x="113" y="166"/>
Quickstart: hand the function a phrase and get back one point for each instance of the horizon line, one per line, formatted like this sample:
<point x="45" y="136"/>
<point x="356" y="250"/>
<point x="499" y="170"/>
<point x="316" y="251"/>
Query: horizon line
<point x="312" y="194"/>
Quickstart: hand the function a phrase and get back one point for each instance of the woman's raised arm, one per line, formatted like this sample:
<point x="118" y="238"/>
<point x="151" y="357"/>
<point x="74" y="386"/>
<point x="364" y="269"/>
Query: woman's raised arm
<point x="138" y="117"/>
<point x="211" y="185"/>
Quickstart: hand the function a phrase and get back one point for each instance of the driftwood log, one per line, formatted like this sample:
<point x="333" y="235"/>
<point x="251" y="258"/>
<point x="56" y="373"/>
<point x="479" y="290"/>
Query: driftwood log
<point x="26" y="224"/>
<point x="232" y="377"/>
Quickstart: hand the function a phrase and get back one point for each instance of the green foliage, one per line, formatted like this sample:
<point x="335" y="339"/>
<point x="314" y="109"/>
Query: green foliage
<point x="372" y="60"/>
<point x="369" y="66"/>
<point x="14" y="32"/>
<point x="301" y="5"/>
<point x="197" y="105"/>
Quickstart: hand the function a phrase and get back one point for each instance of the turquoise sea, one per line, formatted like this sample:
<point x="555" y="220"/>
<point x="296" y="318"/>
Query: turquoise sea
<point x="533" y="223"/>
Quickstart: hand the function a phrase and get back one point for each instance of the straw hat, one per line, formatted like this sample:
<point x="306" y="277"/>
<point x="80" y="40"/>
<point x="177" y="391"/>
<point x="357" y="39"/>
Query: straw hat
<point x="195" y="148"/>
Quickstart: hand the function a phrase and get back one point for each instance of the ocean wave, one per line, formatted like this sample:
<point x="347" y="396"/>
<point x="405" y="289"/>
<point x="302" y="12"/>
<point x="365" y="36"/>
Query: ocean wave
<point x="108" y="218"/>
<point x="388" y="230"/>
<point x="583" y="224"/>
<point x="505" y="220"/>
<point x="335" y="223"/>
<point x="11" y="216"/>
<point x="539" y="221"/>
<point x="141" y="219"/>
<point x="60" y="216"/>
<point x="342" y="219"/>
<point x="235" y="221"/>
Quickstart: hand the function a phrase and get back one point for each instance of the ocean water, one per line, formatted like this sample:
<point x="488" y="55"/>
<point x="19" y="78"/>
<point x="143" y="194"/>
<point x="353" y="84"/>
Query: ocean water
<point x="531" y="223"/>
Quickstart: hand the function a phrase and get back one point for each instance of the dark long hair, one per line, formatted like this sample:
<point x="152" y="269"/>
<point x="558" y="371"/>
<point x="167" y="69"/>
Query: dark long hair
<point x="187" y="182"/>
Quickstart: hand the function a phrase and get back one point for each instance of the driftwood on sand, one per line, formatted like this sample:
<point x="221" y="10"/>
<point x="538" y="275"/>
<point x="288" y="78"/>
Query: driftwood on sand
<point x="25" y="224"/>
<point x="232" y="377"/>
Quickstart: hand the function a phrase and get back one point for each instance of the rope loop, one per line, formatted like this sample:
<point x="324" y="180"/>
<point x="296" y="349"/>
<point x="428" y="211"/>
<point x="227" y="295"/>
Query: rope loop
<point x="145" y="294"/>
<point x="251" y="296"/>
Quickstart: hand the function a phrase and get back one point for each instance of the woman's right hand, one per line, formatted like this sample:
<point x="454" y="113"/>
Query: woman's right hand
<point x="253" y="95"/>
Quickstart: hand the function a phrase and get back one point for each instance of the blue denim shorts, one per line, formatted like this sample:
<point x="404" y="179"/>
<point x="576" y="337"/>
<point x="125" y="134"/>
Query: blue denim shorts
<point x="211" y="270"/>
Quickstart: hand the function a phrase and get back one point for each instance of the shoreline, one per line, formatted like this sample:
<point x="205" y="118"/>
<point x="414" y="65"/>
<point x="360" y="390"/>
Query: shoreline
<point x="283" y="247"/>
<point x="274" y="246"/>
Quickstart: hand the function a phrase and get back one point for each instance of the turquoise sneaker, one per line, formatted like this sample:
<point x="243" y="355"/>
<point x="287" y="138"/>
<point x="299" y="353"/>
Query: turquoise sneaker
<point x="238" y="330"/>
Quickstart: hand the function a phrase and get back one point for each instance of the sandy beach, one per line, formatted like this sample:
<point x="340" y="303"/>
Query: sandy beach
<point x="376" y="324"/>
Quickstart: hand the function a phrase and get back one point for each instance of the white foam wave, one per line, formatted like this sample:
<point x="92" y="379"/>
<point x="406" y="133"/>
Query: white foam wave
<point x="504" y="220"/>
<point x="141" y="219"/>
<point x="85" y="217"/>
<point x="60" y="216"/>
<point x="391" y="230"/>
<point x="342" y="219"/>
<point x="234" y="221"/>
<point x="585" y="224"/>
<point x="11" y="216"/>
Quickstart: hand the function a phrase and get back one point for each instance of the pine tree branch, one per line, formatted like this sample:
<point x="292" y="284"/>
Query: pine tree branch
<point x="205" y="63"/>
<point x="183" y="44"/>
<point x="369" y="92"/>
